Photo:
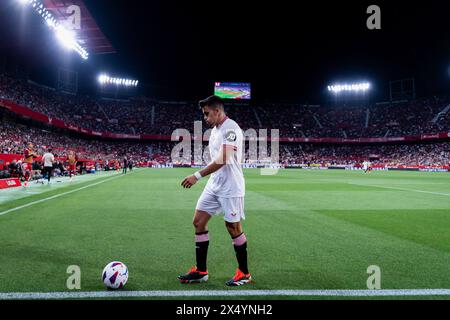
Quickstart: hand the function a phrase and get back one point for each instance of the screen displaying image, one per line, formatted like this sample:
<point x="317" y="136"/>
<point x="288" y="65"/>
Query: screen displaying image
<point x="231" y="90"/>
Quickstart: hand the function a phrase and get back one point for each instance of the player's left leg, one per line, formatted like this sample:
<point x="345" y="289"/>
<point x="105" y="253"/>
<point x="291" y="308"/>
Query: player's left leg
<point x="242" y="275"/>
<point x="233" y="214"/>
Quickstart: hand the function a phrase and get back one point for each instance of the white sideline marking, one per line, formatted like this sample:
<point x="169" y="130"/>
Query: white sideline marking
<point x="58" y="195"/>
<point x="402" y="189"/>
<point x="217" y="293"/>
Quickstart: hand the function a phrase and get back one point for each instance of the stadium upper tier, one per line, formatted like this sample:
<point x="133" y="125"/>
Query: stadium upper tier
<point x="144" y="116"/>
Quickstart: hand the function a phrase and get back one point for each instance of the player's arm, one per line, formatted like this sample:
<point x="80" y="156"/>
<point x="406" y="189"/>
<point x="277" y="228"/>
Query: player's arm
<point x="226" y="152"/>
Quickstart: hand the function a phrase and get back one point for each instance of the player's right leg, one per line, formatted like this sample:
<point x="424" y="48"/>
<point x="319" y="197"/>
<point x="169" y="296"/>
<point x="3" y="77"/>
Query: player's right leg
<point x="199" y="272"/>
<point x="207" y="205"/>
<point x="29" y="170"/>
<point x="49" y="174"/>
<point x="71" y="171"/>
<point x="43" y="174"/>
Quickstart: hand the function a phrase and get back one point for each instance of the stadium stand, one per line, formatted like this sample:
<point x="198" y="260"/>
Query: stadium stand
<point x="146" y="116"/>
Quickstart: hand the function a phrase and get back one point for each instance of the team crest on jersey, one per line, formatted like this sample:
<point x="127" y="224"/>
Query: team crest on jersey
<point x="231" y="136"/>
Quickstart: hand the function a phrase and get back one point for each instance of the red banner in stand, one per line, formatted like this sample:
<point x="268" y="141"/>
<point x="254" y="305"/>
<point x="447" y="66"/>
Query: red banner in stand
<point x="10" y="183"/>
<point x="26" y="112"/>
<point x="58" y="123"/>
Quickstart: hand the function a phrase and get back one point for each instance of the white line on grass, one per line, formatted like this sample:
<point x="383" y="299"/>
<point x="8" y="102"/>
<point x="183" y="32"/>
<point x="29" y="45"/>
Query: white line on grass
<point x="401" y="189"/>
<point x="58" y="195"/>
<point x="218" y="293"/>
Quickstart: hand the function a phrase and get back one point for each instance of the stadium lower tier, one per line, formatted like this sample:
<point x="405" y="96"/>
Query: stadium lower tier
<point x="16" y="135"/>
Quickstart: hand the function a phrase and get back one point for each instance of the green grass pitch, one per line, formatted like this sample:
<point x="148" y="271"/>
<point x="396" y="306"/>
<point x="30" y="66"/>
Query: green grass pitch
<point x="305" y="229"/>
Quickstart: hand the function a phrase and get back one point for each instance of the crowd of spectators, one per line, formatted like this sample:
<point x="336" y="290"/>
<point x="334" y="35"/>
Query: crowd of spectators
<point x="141" y="115"/>
<point x="146" y="116"/>
<point x="434" y="154"/>
<point x="15" y="137"/>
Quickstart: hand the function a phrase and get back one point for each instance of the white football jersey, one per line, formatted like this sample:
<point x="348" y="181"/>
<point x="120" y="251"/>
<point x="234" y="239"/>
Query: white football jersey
<point x="228" y="181"/>
<point x="48" y="159"/>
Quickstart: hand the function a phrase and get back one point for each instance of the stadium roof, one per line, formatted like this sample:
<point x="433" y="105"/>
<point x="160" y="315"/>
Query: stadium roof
<point x="90" y="35"/>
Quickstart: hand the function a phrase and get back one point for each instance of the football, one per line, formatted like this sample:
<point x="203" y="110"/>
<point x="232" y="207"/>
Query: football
<point x="115" y="275"/>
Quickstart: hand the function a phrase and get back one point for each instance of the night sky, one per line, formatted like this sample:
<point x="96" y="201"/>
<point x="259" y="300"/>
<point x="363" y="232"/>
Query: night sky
<point x="288" y="51"/>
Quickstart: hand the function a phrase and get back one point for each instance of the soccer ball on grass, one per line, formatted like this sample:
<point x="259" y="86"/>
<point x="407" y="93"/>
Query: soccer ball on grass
<point x="115" y="275"/>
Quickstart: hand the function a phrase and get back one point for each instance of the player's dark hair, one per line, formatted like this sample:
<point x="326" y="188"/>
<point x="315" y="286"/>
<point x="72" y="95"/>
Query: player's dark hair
<point x="212" y="101"/>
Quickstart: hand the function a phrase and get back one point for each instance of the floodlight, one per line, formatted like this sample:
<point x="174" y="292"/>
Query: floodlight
<point x="354" y="87"/>
<point x="104" y="79"/>
<point x="65" y="37"/>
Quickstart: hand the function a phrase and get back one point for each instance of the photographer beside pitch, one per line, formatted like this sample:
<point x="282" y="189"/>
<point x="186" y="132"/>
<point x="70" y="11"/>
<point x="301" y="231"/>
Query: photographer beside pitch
<point x="224" y="192"/>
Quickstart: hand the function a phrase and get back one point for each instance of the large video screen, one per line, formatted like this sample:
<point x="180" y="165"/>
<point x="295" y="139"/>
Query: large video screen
<point x="232" y="90"/>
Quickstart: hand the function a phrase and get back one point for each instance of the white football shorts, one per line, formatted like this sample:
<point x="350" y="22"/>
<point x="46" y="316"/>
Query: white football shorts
<point x="231" y="208"/>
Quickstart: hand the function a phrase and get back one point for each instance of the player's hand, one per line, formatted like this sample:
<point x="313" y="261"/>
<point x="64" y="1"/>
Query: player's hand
<point x="189" y="181"/>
